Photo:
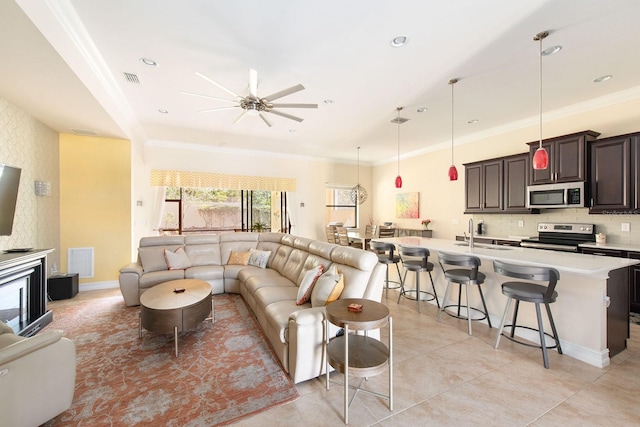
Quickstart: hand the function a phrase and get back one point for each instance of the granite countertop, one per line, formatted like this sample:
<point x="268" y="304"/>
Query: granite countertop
<point x="575" y="263"/>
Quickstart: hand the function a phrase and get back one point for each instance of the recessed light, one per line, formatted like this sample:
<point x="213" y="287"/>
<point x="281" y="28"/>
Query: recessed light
<point x="149" y="62"/>
<point x="422" y="109"/>
<point x="602" y="78"/>
<point x="328" y="101"/>
<point x="399" y="41"/>
<point x="163" y="111"/>
<point x="472" y="121"/>
<point x="551" y="50"/>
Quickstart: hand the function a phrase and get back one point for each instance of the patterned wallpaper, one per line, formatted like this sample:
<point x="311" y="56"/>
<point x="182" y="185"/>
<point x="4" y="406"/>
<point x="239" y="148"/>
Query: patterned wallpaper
<point x="30" y="145"/>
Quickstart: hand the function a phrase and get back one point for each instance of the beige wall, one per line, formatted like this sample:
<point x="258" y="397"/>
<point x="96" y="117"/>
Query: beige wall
<point x="95" y="202"/>
<point x="33" y="147"/>
<point x="442" y="200"/>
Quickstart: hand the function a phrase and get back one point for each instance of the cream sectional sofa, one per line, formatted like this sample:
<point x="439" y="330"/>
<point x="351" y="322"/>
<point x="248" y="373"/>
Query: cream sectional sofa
<point x="295" y="332"/>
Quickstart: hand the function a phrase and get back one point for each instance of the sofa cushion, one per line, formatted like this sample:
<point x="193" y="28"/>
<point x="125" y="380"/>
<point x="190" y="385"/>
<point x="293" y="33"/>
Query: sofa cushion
<point x="148" y="280"/>
<point x="256" y="282"/>
<point x="205" y="272"/>
<point x="259" y="258"/>
<point x="306" y="285"/>
<point x="239" y="258"/>
<point x="327" y="289"/>
<point x="177" y="260"/>
<point x="204" y="254"/>
<point x="152" y="257"/>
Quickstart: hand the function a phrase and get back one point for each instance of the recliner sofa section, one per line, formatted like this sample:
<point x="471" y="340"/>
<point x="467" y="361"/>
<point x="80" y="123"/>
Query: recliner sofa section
<point x="295" y="332"/>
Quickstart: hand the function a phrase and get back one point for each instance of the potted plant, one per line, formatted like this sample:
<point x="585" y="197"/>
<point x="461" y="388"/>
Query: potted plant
<point x="259" y="226"/>
<point x="425" y="223"/>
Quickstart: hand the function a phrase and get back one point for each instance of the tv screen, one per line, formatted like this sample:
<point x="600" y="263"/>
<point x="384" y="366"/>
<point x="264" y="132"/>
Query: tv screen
<point x="9" y="183"/>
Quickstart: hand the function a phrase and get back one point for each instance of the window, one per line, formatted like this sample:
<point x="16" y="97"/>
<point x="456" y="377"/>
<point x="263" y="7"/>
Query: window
<point x="205" y="210"/>
<point x="339" y="207"/>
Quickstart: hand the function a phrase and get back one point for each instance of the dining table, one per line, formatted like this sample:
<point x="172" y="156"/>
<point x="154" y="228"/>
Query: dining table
<point x="361" y="239"/>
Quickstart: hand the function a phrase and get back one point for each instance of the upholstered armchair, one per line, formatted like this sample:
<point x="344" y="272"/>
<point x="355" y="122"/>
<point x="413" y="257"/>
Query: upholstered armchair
<point x="37" y="376"/>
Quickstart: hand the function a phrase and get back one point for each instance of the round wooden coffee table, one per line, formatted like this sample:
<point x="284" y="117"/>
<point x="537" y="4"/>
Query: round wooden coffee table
<point x="175" y="306"/>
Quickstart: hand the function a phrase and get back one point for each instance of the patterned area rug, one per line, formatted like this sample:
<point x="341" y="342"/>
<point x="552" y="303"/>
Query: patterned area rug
<point x="634" y="318"/>
<point x="224" y="372"/>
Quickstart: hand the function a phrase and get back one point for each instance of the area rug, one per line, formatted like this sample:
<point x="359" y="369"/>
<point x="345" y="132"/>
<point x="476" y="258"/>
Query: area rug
<point x="224" y="371"/>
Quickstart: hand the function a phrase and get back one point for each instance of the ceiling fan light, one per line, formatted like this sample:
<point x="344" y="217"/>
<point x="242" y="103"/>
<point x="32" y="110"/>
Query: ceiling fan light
<point x="453" y="173"/>
<point x="540" y="159"/>
<point x="398" y="181"/>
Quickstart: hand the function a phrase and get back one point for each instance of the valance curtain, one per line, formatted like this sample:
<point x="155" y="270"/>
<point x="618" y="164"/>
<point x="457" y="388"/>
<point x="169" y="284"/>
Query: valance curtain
<point x="169" y="178"/>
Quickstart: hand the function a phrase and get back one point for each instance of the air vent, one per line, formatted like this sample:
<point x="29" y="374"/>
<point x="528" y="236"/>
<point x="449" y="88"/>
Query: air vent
<point x="399" y="120"/>
<point x="131" y="78"/>
<point x="84" y="132"/>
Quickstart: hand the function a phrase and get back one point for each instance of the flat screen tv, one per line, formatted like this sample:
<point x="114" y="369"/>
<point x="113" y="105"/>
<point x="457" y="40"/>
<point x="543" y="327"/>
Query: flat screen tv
<point x="9" y="183"/>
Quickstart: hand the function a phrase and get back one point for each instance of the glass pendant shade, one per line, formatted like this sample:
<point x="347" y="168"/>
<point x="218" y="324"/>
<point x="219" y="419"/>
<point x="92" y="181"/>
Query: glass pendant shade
<point x="453" y="173"/>
<point x="540" y="159"/>
<point x="398" y="181"/>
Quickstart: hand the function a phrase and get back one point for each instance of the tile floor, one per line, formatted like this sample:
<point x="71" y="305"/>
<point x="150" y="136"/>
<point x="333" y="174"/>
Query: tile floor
<point x="444" y="377"/>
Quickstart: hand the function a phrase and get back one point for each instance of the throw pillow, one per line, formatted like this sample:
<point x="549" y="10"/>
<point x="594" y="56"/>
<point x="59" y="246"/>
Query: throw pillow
<point x="259" y="258"/>
<point x="177" y="260"/>
<point x="239" y="258"/>
<point x="327" y="289"/>
<point x="306" y="285"/>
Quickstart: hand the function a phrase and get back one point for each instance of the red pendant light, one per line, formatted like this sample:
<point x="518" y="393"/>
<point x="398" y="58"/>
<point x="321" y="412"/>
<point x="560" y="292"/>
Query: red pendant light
<point x="453" y="172"/>
<point x="540" y="157"/>
<point x="398" y="178"/>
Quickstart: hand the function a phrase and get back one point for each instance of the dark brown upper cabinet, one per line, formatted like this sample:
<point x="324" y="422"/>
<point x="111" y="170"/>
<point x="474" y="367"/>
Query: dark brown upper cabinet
<point x="498" y="185"/>
<point x="483" y="184"/>
<point x="614" y="173"/>
<point x="567" y="158"/>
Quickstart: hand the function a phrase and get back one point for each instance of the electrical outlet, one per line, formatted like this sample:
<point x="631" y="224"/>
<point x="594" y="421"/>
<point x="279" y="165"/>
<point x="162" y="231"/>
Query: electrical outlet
<point x="625" y="226"/>
<point x="521" y="223"/>
<point x="455" y="221"/>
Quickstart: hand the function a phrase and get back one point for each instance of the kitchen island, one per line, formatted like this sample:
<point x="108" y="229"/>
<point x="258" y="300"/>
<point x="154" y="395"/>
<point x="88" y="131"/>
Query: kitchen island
<point x="592" y="309"/>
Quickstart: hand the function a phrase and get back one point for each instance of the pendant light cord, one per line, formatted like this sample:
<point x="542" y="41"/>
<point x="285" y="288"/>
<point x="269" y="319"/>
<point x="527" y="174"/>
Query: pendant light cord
<point x="452" y="82"/>
<point x="398" y="122"/>
<point x="541" y="92"/>
<point x="358" y="170"/>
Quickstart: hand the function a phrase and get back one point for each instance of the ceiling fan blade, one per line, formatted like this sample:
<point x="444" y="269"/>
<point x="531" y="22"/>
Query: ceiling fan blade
<point x="218" y="85"/>
<point x="207" y="96"/>
<point x="240" y="117"/>
<point x="263" y="117"/>
<point x="288" y="116"/>
<point x="253" y="83"/>
<point x="294" y="105"/>
<point x="283" y="93"/>
<point x="208" y="110"/>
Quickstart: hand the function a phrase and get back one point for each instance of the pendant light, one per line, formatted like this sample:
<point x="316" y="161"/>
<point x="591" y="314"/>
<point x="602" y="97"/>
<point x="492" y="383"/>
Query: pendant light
<point x="398" y="178"/>
<point x="540" y="157"/>
<point x="358" y="193"/>
<point x="453" y="172"/>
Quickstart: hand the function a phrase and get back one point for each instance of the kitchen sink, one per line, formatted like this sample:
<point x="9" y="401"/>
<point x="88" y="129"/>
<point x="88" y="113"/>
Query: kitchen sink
<point x="481" y="246"/>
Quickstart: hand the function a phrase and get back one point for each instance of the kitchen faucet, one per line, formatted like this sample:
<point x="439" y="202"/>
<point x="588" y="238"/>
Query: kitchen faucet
<point x="470" y="233"/>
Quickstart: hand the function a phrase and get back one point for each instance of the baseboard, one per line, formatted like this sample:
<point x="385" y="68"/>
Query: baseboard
<point x="94" y="286"/>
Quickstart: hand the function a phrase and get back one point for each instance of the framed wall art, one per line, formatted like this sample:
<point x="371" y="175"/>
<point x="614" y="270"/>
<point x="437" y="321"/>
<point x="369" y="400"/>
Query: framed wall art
<point x="408" y="205"/>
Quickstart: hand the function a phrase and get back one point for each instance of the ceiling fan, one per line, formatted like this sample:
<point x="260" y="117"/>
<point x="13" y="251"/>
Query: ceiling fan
<point x="252" y="104"/>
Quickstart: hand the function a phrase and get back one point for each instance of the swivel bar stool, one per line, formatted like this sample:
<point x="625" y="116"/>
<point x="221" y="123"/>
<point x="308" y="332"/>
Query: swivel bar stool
<point x="529" y="292"/>
<point x="466" y="277"/>
<point x="386" y="255"/>
<point x="416" y="260"/>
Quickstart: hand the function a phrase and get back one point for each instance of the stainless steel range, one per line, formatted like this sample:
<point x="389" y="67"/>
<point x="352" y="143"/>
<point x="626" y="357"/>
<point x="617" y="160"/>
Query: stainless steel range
<point x="561" y="237"/>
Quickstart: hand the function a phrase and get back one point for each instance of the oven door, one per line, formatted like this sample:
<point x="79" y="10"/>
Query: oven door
<point x="548" y="246"/>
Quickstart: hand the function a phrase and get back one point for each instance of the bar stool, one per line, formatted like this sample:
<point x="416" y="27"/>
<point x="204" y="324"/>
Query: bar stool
<point x="416" y="260"/>
<point x="529" y="292"/>
<point x="463" y="276"/>
<point x="385" y="252"/>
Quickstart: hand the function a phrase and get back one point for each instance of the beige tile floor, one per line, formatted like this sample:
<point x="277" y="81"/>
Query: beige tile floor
<point x="444" y="377"/>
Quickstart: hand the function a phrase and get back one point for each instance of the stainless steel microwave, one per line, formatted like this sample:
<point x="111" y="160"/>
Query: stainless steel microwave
<point x="562" y="195"/>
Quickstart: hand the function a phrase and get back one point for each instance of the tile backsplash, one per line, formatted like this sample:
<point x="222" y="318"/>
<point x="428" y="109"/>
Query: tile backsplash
<point x="508" y="225"/>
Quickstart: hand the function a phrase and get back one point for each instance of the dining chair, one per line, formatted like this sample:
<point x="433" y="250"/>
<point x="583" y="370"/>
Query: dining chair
<point x="371" y="230"/>
<point x="342" y="236"/>
<point x="386" y="232"/>
<point x="331" y="233"/>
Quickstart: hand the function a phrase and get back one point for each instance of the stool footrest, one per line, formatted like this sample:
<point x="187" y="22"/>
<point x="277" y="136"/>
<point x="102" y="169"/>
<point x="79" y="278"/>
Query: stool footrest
<point x="476" y="310"/>
<point x="519" y="340"/>
<point x="407" y="294"/>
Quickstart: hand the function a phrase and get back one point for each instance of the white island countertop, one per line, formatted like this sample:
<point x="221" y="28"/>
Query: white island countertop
<point x="592" y="308"/>
<point x="575" y="263"/>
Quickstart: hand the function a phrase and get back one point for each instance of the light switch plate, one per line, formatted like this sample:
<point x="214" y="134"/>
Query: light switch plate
<point x="625" y="226"/>
<point x="521" y="223"/>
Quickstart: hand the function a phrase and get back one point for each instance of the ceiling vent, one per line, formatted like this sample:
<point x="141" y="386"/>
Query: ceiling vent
<point x="131" y="78"/>
<point x="83" y="132"/>
<point x="399" y="120"/>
